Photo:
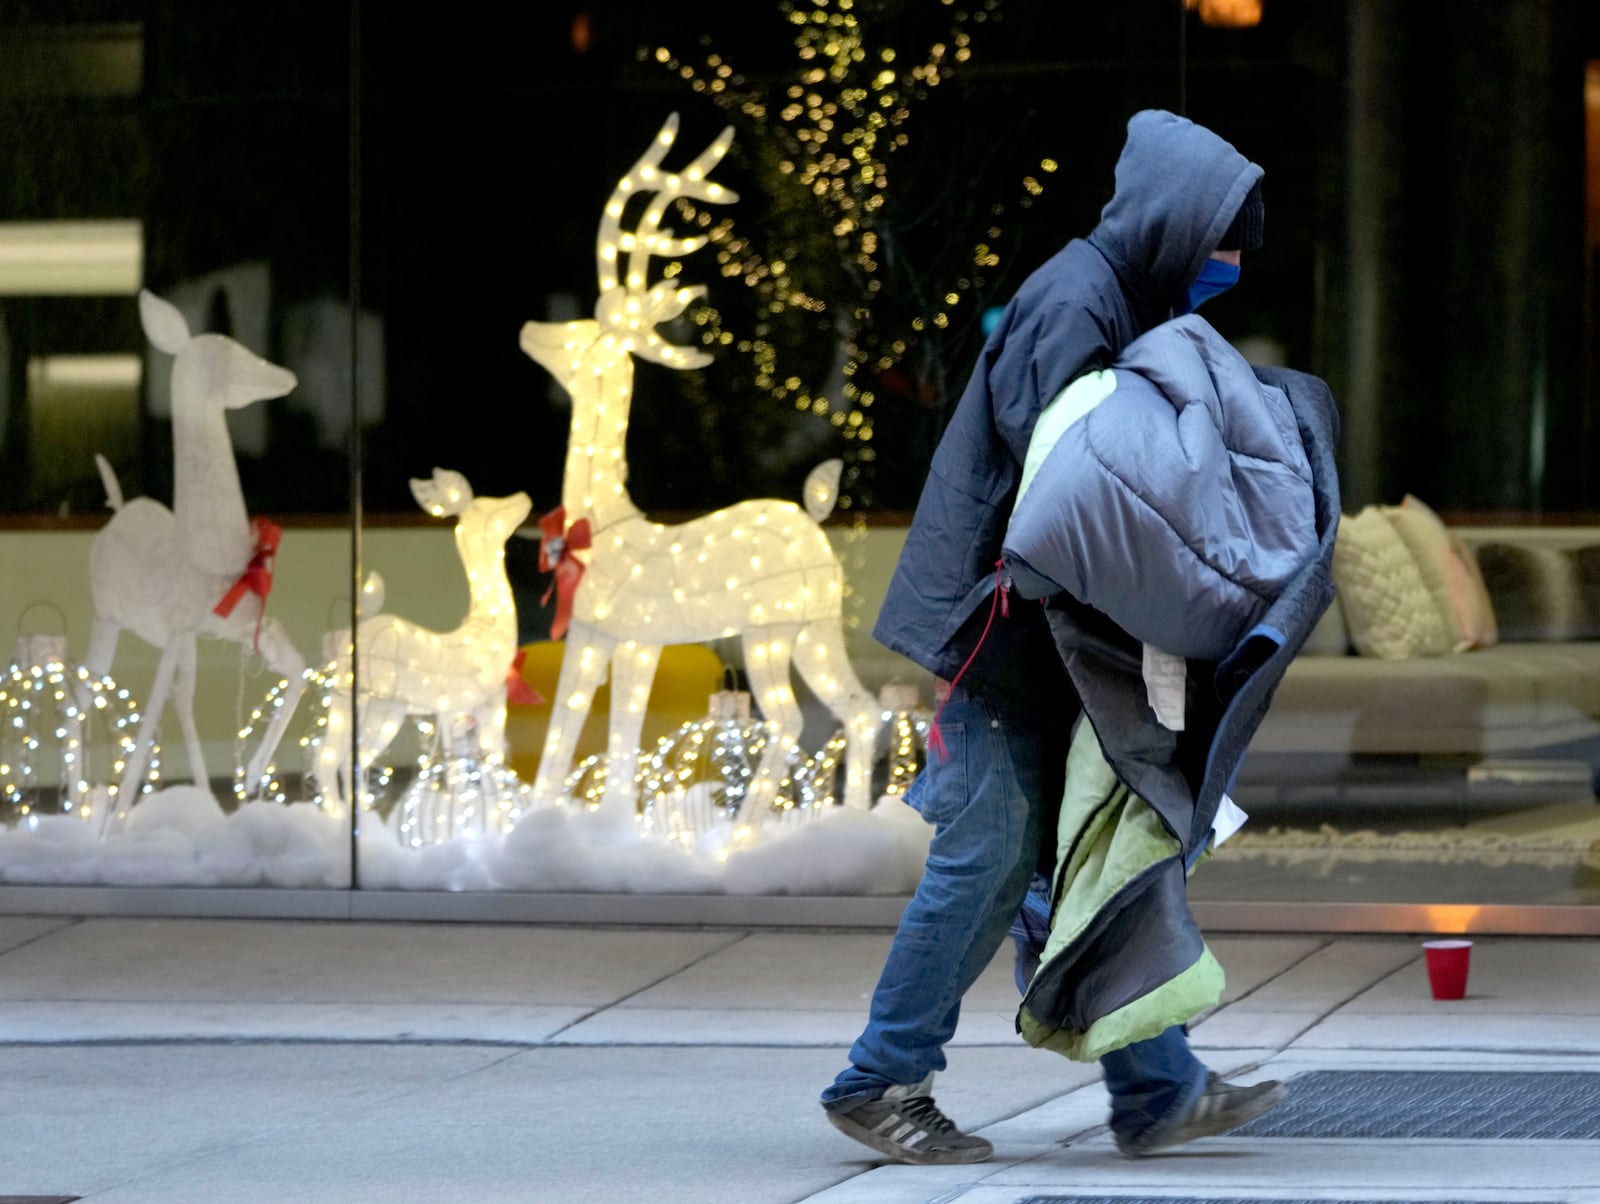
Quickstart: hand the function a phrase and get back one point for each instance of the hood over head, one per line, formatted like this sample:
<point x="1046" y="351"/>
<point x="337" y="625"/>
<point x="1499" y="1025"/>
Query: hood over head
<point x="1178" y="189"/>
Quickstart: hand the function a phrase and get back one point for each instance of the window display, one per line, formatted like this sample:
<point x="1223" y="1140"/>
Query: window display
<point x="266" y="288"/>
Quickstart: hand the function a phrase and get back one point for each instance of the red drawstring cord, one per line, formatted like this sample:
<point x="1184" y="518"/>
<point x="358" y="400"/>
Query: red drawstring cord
<point x="935" y="740"/>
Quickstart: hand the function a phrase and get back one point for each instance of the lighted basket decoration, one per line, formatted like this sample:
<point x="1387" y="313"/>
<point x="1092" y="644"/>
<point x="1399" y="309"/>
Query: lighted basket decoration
<point x="66" y="737"/>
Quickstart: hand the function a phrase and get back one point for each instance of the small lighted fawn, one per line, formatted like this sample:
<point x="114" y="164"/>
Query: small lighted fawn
<point x="459" y="676"/>
<point x="763" y="570"/>
<point x="163" y="574"/>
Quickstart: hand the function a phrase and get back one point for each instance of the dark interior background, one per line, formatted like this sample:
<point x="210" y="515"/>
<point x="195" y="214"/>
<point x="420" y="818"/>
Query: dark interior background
<point x="441" y="175"/>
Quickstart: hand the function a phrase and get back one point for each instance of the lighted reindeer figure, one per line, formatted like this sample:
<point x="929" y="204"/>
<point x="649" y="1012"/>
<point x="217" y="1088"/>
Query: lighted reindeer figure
<point x="763" y="570"/>
<point x="165" y="574"/>
<point x="405" y="670"/>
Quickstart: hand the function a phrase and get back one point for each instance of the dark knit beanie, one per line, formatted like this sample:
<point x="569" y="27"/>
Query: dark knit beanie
<point x="1245" y="232"/>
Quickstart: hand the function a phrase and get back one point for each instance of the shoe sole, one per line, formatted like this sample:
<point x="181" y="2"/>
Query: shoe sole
<point x="900" y="1153"/>
<point x="1184" y="1134"/>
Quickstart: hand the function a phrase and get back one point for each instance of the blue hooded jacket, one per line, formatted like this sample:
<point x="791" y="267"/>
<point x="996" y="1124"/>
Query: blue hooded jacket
<point x="1178" y="187"/>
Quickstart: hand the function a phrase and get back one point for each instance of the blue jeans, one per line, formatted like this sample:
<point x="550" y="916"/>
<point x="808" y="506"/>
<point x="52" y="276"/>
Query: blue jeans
<point x="984" y="800"/>
<point x="1152" y="1083"/>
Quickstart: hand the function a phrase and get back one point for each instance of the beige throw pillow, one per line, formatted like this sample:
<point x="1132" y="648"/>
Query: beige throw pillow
<point x="1428" y="540"/>
<point x="1486" y="631"/>
<point x="1386" y="603"/>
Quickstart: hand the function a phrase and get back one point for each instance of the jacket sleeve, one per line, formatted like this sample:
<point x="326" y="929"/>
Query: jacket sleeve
<point x="1045" y="353"/>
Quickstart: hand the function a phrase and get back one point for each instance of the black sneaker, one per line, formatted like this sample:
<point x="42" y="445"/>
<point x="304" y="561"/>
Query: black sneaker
<point x="1221" y="1107"/>
<point x="907" y="1125"/>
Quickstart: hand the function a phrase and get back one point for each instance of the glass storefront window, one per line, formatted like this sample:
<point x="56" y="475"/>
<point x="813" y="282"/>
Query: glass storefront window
<point x="173" y="306"/>
<point x="304" y="290"/>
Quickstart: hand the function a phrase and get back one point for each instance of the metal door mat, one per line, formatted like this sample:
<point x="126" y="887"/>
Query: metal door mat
<point x="1453" y="1105"/>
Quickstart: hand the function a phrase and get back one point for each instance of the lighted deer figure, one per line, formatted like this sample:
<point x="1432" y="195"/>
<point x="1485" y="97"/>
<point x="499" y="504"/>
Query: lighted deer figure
<point x="404" y="669"/>
<point x="166" y="575"/>
<point x="763" y="569"/>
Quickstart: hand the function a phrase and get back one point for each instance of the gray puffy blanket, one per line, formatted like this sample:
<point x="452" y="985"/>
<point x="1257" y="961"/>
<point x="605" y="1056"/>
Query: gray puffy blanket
<point x="1170" y="492"/>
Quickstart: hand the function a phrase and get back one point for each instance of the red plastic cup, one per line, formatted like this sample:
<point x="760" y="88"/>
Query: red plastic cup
<point x="1447" y="967"/>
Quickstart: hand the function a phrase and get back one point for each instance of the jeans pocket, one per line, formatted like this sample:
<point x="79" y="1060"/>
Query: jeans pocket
<point x="940" y="790"/>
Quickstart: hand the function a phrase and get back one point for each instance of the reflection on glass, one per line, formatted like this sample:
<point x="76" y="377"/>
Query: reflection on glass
<point x="68" y="258"/>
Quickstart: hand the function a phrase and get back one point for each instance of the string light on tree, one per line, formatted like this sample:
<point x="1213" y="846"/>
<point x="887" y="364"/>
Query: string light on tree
<point x="824" y="145"/>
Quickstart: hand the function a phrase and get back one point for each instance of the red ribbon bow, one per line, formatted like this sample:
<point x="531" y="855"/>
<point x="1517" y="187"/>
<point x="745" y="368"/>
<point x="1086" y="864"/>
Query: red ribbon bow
<point x="563" y="541"/>
<point x="257" y="576"/>
<point x="517" y="689"/>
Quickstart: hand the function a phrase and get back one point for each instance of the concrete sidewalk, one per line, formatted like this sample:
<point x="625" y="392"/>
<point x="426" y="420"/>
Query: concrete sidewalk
<point x="168" y="1060"/>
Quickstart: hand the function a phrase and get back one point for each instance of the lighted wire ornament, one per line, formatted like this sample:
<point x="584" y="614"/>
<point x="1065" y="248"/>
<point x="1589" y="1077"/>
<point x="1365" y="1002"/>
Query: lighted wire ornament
<point x="763" y="570"/>
<point x="456" y="679"/>
<point x="457" y="791"/>
<point x="903" y="739"/>
<point x="698" y="777"/>
<point x="271" y="781"/>
<point x="55" y="719"/>
<point x="813" y="783"/>
<point x="268" y="782"/>
<point x="587" y="782"/>
<point x="170" y="576"/>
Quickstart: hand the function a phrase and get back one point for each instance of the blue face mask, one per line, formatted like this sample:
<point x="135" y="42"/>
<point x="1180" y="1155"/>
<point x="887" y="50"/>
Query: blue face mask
<point x="1216" y="276"/>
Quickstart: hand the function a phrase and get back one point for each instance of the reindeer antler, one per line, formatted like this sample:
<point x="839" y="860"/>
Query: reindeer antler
<point x="628" y="309"/>
<point x="447" y="493"/>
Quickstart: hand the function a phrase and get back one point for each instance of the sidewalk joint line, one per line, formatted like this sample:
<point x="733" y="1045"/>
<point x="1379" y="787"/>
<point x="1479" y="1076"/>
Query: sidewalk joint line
<point x="740" y="936"/>
<point x="67" y="922"/>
